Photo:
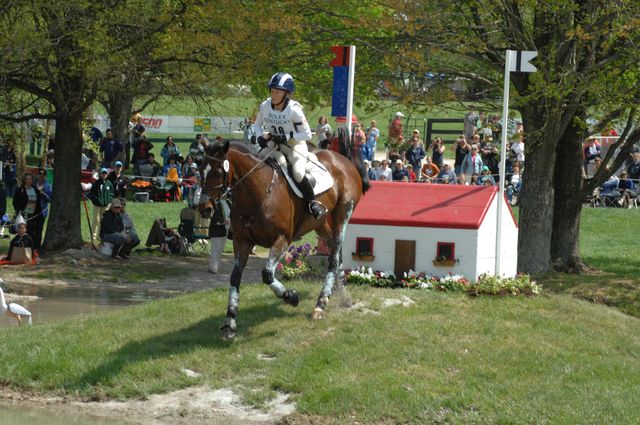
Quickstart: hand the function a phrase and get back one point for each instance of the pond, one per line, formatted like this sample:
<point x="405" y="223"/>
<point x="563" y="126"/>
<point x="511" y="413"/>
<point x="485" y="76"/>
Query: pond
<point x="57" y="303"/>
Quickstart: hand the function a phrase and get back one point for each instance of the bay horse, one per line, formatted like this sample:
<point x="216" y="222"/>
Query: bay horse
<point x="265" y="211"/>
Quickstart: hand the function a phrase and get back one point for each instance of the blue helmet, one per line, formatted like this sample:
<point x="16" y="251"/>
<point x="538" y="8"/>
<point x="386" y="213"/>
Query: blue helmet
<point x="282" y="81"/>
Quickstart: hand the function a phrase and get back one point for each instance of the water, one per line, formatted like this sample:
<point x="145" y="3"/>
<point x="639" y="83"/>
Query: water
<point x="63" y="302"/>
<point x="58" y="303"/>
<point x="20" y="415"/>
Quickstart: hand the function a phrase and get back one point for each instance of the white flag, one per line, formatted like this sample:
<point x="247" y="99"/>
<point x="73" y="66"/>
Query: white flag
<point x="520" y="61"/>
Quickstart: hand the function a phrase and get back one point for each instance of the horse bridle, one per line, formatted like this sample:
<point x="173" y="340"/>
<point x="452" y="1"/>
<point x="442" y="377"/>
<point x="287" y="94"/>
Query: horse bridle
<point x="225" y="177"/>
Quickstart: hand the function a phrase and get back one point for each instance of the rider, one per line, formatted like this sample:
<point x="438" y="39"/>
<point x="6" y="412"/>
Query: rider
<point x="288" y="131"/>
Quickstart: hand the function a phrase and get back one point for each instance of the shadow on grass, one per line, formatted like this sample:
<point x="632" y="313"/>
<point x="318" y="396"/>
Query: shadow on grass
<point x="619" y="289"/>
<point x="204" y="334"/>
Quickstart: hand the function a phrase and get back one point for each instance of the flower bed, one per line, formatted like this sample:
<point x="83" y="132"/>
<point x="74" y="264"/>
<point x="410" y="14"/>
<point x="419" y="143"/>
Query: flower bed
<point x="486" y="284"/>
<point x="295" y="263"/>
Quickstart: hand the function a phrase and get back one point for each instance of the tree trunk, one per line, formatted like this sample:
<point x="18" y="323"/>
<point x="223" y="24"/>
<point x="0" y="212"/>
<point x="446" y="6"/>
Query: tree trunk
<point x="565" y="248"/>
<point x="536" y="202"/>
<point x="119" y="108"/>
<point x="63" y="231"/>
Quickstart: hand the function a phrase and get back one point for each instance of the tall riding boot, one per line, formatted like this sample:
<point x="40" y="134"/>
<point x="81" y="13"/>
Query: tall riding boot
<point x="315" y="207"/>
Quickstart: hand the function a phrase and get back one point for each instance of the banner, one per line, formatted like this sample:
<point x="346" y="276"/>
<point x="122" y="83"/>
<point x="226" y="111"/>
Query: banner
<point x="181" y="124"/>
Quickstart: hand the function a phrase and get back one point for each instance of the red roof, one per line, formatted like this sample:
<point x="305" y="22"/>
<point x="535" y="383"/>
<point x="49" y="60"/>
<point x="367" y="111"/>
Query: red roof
<point x="424" y="205"/>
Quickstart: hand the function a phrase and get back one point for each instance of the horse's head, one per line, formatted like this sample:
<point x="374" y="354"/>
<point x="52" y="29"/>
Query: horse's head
<point x="215" y="176"/>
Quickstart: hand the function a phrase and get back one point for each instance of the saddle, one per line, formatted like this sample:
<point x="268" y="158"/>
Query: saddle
<point x="320" y="178"/>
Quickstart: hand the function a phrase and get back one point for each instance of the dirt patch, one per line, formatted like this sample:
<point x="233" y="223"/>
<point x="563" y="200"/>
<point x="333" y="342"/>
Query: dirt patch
<point x="194" y="406"/>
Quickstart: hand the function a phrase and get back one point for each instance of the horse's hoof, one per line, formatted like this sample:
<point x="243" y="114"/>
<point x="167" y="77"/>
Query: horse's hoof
<point x="290" y="297"/>
<point x="318" y="314"/>
<point x="228" y="329"/>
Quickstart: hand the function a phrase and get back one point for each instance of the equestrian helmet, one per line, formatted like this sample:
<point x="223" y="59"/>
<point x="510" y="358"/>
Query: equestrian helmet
<point x="282" y="81"/>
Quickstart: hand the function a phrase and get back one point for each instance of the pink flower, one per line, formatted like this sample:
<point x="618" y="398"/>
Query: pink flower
<point x="279" y="267"/>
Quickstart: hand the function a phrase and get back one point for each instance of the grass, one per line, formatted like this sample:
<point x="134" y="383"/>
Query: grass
<point x="446" y="358"/>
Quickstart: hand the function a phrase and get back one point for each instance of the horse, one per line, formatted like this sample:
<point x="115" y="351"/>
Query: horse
<point x="265" y="211"/>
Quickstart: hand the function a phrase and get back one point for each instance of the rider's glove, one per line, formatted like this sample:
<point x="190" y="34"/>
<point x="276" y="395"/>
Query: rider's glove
<point x="279" y="138"/>
<point x="262" y="142"/>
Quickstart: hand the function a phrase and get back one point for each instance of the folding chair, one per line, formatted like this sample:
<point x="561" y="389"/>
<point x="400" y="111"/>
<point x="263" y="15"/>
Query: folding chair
<point x="197" y="237"/>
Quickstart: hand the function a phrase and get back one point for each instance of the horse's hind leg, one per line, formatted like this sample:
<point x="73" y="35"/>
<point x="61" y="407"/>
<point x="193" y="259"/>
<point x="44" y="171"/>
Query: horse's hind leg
<point x="333" y="268"/>
<point x="241" y="254"/>
<point x="289" y="296"/>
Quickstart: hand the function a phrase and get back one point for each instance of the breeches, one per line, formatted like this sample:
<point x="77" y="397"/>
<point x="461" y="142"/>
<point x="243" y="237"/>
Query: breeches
<point x="296" y="156"/>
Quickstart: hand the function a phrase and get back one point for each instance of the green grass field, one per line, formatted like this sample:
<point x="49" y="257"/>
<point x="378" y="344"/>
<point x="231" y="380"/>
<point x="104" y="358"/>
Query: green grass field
<point x="447" y="358"/>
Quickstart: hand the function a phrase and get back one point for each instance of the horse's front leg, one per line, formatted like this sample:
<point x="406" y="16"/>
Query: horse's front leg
<point x="334" y="260"/>
<point x="241" y="254"/>
<point x="289" y="296"/>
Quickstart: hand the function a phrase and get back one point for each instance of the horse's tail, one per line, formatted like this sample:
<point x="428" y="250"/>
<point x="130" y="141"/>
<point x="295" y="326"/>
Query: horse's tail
<point x="348" y="149"/>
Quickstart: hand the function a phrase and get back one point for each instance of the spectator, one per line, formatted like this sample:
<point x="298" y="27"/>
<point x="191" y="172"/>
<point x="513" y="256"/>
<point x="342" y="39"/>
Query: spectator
<point x="491" y="159"/>
<point x="415" y="153"/>
<point x="101" y="195"/>
<point x="46" y="193"/>
<point x="141" y="150"/>
<point x="372" y="135"/>
<point x="470" y="124"/>
<point x="384" y="172"/>
<point x="172" y="174"/>
<point x="370" y="172"/>
<point x="395" y="130"/>
<point x="95" y="134"/>
<point x="446" y="175"/>
<point x="89" y="159"/>
<point x="248" y="128"/>
<point x="437" y="152"/>
<point x="429" y="169"/>
<point x="633" y="170"/>
<point x="21" y="240"/>
<point x="475" y="181"/>
<point x="169" y="149"/>
<point x="137" y="133"/>
<point x="28" y="202"/>
<point x="394" y="153"/>
<point x="399" y="171"/>
<point x="462" y="179"/>
<point x="112" y="231"/>
<point x="118" y="180"/>
<point x="129" y="229"/>
<point x="111" y="148"/>
<point x="412" y="175"/>
<point x="189" y="178"/>
<point x="486" y="176"/>
<point x="9" y="171"/>
<point x="218" y="230"/>
<point x="518" y="150"/>
<point x="462" y="149"/>
<point x="591" y="152"/>
<point x="196" y="149"/>
<point x="187" y="165"/>
<point x="50" y="158"/>
<point x="514" y="183"/>
<point x="472" y="162"/>
<point x="323" y="132"/>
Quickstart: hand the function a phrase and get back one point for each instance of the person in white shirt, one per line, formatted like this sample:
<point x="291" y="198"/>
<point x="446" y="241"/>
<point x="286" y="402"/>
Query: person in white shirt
<point x="287" y="134"/>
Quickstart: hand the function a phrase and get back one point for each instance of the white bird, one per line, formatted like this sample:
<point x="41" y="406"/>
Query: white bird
<point x="14" y="310"/>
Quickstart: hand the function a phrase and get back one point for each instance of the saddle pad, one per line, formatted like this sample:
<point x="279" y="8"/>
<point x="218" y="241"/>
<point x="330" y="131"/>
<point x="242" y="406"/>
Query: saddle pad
<point x="322" y="176"/>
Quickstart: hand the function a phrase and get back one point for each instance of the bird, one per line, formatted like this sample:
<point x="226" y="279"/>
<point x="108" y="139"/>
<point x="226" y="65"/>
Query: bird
<point x="14" y="310"/>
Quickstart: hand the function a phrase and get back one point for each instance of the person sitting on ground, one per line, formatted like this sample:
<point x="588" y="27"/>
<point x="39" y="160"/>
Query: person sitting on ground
<point x="172" y="174"/>
<point x="429" y="168"/>
<point x="218" y="231"/>
<point x="196" y="149"/>
<point x="446" y="175"/>
<point x="119" y="181"/>
<point x="112" y="231"/>
<point x="462" y="179"/>
<point x="628" y="190"/>
<point x="129" y="229"/>
<point x="475" y="181"/>
<point x="141" y="150"/>
<point x="399" y="171"/>
<point x="21" y="240"/>
<point x="152" y="168"/>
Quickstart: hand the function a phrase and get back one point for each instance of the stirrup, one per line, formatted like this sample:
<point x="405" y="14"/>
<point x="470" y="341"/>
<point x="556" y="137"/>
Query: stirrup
<point x="318" y="214"/>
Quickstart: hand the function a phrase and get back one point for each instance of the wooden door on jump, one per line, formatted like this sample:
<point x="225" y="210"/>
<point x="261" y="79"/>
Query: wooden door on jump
<point x="405" y="257"/>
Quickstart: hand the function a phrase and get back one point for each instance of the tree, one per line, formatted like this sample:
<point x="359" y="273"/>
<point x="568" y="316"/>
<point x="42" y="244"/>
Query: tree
<point x="580" y="43"/>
